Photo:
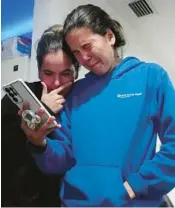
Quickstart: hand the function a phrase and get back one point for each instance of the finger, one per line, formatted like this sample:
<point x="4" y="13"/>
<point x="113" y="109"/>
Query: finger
<point x="25" y="127"/>
<point x="23" y="123"/>
<point x="44" y="88"/>
<point x="30" y="133"/>
<point x="40" y="112"/>
<point x="25" y="106"/>
<point x="60" y="101"/>
<point x="48" y="131"/>
<point x="47" y="124"/>
<point x="59" y="97"/>
<point x="59" y="108"/>
<point x="50" y="121"/>
<point x="62" y="87"/>
<point x="58" y="126"/>
<point x="20" y="112"/>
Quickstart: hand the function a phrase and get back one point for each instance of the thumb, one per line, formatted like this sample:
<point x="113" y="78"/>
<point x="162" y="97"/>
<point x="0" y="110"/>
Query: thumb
<point x="44" y="88"/>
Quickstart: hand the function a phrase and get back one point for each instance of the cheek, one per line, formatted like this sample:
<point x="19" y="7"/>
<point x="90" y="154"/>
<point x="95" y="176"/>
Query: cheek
<point x="100" y="52"/>
<point x="107" y="54"/>
<point x="96" y="54"/>
<point x="48" y="80"/>
<point x="64" y="80"/>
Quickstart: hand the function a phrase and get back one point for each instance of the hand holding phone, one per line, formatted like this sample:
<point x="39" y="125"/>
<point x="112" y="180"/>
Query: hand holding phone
<point x="37" y="136"/>
<point x="19" y="93"/>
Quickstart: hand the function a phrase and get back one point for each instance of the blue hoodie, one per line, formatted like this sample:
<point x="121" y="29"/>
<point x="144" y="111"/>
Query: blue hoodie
<point x="110" y="126"/>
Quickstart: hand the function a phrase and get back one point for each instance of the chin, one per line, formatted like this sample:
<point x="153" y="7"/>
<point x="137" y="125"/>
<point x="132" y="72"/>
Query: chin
<point x="101" y="71"/>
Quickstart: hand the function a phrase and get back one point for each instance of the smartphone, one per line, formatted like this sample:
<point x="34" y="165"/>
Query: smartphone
<point x="19" y="92"/>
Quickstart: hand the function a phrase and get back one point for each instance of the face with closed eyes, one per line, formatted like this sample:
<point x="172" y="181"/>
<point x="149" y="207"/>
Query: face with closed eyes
<point x="94" y="51"/>
<point x="56" y="70"/>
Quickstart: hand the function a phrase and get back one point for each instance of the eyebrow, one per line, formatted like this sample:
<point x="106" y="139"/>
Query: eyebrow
<point x="73" y="51"/>
<point x="66" y="70"/>
<point x="84" y="43"/>
<point x="48" y="70"/>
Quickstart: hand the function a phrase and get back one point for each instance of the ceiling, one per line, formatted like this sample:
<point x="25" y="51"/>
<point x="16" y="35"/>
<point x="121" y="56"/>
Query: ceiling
<point x="16" y="18"/>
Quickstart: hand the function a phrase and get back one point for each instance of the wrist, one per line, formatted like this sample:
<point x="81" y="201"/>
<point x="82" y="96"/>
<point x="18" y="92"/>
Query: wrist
<point x="43" y="143"/>
<point x="37" y="148"/>
<point x="129" y="190"/>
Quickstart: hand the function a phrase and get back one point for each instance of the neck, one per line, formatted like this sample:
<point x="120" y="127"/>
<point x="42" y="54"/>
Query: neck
<point x="116" y="61"/>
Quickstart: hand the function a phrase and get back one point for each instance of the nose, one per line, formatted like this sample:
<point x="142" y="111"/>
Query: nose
<point x="57" y="82"/>
<point x="84" y="57"/>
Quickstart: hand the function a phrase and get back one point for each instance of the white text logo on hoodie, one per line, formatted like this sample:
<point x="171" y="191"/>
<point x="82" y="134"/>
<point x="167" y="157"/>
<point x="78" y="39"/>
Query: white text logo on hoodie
<point x="129" y="95"/>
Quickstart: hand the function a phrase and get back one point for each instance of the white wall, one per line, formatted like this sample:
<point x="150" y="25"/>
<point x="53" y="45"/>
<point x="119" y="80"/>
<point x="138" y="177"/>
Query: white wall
<point x="7" y="73"/>
<point x="150" y="38"/>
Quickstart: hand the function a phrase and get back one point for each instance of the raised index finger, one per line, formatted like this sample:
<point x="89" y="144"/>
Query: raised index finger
<point x="61" y="88"/>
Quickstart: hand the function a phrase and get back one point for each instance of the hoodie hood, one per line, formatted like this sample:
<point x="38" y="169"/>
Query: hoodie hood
<point x="127" y="64"/>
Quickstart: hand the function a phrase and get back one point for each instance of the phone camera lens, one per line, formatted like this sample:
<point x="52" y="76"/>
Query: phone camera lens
<point x="7" y="90"/>
<point x="14" y="92"/>
<point x="15" y="99"/>
<point x="11" y="94"/>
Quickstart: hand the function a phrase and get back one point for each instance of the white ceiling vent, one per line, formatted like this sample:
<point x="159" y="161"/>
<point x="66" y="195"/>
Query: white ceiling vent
<point x="141" y="8"/>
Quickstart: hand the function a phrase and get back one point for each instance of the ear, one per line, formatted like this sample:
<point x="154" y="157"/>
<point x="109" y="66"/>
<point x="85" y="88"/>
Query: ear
<point x="110" y="37"/>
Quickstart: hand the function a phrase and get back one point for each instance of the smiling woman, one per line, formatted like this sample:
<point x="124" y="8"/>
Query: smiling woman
<point x="17" y="18"/>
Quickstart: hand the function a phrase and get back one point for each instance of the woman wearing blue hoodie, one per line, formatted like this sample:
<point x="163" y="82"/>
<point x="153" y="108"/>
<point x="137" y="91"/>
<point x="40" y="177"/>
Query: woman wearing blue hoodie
<point x="106" y="145"/>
